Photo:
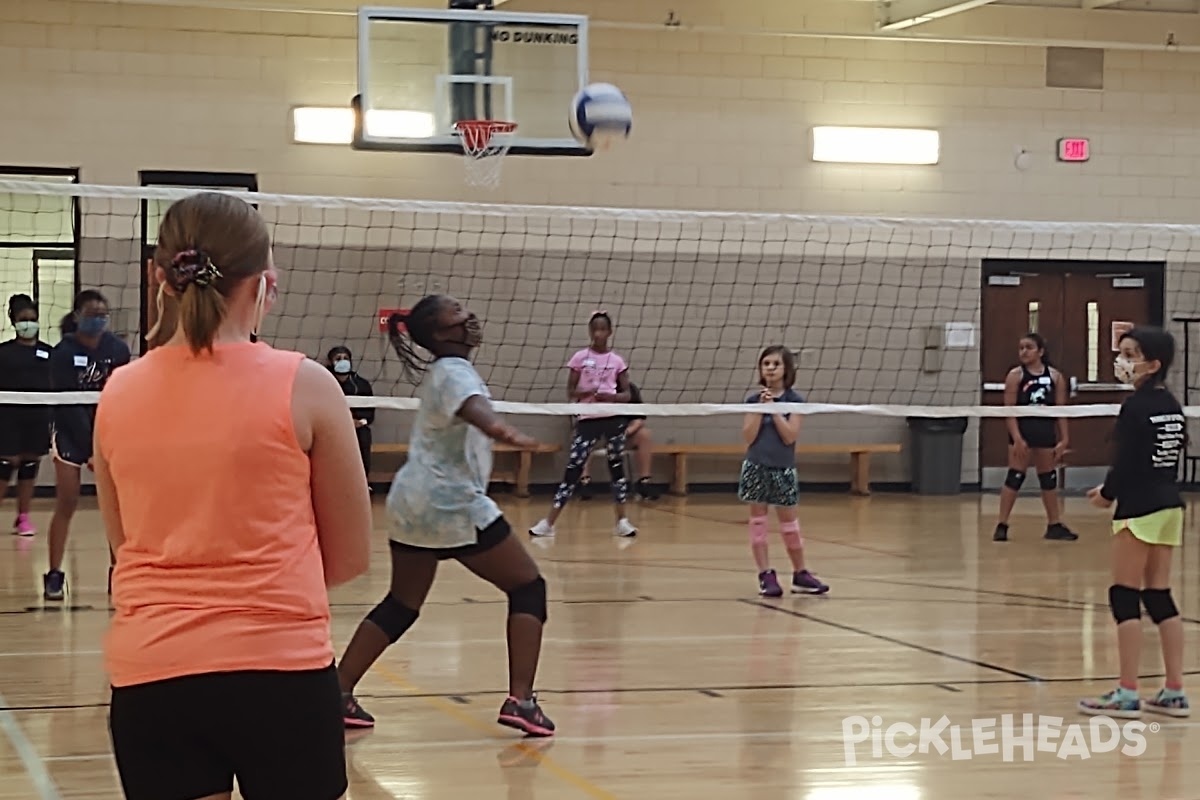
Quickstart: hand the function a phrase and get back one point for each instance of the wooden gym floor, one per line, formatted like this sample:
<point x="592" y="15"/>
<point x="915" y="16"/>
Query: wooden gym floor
<point x="667" y="675"/>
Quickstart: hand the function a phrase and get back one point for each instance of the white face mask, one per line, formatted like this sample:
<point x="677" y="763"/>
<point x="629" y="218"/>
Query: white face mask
<point x="26" y="329"/>
<point x="341" y="367"/>
<point x="1124" y="369"/>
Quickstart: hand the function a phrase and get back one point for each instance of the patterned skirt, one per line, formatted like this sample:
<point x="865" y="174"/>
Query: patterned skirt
<point x="772" y="486"/>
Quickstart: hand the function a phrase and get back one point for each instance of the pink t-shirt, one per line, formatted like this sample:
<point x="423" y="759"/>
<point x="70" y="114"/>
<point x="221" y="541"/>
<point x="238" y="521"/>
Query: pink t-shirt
<point x="597" y="373"/>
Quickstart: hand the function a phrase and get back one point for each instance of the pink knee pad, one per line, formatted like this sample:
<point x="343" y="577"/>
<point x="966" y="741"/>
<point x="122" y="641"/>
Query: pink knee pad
<point x="791" y="535"/>
<point x="758" y="530"/>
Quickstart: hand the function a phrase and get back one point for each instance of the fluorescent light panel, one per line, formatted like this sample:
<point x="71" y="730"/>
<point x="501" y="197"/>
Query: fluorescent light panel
<point x="875" y="145"/>
<point x="319" y="125"/>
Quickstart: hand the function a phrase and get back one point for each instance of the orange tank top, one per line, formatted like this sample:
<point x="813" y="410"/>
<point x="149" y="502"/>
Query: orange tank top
<point x="220" y="569"/>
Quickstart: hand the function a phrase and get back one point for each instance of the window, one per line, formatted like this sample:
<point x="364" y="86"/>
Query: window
<point x="39" y="248"/>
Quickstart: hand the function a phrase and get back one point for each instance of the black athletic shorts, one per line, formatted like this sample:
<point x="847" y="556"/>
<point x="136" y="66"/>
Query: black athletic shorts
<point x="1038" y="433"/>
<point x="24" y="431"/>
<point x="69" y="451"/>
<point x="281" y="734"/>
<point x="486" y="539"/>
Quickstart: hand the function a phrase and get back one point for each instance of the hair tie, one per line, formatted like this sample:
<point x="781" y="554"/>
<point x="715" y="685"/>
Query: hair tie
<point x="599" y="312"/>
<point x="192" y="266"/>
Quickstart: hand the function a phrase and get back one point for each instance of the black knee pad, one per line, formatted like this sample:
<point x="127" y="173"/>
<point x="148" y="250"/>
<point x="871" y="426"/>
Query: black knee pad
<point x="529" y="599"/>
<point x="1159" y="605"/>
<point x="28" y="470"/>
<point x="1014" y="480"/>
<point x="6" y="471"/>
<point x="392" y="617"/>
<point x="1048" y="480"/>
<point x="1125" y="603"/>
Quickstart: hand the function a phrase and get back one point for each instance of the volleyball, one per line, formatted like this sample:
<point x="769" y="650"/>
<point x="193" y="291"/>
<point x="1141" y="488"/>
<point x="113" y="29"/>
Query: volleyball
<point x="600" y="115"/>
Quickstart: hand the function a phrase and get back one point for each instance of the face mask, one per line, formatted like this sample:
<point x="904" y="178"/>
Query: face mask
<point x="92" y="326"/>
<point x="27" y="329"/>
<point x="1124" y="369"/>
<point x="341" y="367"/>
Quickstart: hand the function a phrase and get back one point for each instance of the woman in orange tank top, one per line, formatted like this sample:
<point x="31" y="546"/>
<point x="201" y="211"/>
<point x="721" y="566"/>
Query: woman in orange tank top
<point x="229" y="481"/>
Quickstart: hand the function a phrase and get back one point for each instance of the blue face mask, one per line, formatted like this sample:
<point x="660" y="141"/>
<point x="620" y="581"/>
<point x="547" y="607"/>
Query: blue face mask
<point x="92" y="326"/>
<point x="341" y="367"/>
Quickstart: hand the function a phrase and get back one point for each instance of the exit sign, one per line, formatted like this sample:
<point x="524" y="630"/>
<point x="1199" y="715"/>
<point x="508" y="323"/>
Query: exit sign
<point x="1074" y="150"/>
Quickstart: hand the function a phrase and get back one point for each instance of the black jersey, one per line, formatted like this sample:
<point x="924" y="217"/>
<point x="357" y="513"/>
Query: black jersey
<point x="1150" y="435"/>
<point x="75" y="368"/>
<point x="23" y="367"/>
<point x="1035" y="390"/>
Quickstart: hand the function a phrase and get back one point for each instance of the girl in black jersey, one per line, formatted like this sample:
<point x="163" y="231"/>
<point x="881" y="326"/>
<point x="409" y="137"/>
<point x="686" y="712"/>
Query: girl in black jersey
<point x="1040" y="440"/>
<point x="24" y="429"/>
<point x="1147" y="523"/>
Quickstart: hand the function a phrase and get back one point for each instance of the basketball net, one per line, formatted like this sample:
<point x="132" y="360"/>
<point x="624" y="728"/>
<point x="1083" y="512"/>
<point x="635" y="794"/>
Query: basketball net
<point x="485" y="143"/>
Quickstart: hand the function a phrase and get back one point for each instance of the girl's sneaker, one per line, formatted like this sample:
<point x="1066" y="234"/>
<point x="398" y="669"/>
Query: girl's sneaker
<point x="526" y="716"/>
<point x="804" y="582"/>
<point x="24" y="526"/>
<point x="1173" y="704"/>
<point x="543" y="528"/>
<point x="625" y="528"/>
<point x="1120" y="703"/>
<point x="768" y="584"/>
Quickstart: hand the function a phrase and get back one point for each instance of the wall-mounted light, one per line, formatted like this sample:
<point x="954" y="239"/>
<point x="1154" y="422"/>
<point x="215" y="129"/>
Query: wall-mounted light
<point x="320" y="125"/>
<point x="875" y="145"/>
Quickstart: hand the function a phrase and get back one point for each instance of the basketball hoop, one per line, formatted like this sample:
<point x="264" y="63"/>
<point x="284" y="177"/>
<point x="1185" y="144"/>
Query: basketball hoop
<point x="485" y="143"/>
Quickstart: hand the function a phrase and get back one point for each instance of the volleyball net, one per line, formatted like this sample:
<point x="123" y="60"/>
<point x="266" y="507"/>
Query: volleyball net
<point x="886" y="317"/>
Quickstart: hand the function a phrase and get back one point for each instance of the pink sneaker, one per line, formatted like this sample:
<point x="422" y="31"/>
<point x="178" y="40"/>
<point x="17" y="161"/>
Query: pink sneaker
<point x="24" y="526"/>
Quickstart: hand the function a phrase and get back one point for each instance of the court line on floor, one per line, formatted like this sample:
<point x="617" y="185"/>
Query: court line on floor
<point x="891" y="640"/>
<point x="617" y="738"/>
<point x="727" y="689"/>
<point x="564" y="774"/>
<point x="34" y="765"/>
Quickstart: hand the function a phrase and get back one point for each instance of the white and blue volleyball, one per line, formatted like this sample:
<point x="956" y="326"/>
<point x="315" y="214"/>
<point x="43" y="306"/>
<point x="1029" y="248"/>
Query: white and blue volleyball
<point x="600" y="115"/>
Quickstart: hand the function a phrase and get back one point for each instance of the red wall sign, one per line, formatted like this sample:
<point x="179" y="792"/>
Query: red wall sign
<point x="385" y="314"/>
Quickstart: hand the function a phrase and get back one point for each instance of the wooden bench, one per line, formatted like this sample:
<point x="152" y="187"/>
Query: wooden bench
<point x="519" y="479"/>
<point x="860" y="459"/>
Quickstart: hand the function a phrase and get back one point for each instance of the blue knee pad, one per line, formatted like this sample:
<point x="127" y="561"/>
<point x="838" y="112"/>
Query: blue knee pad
<point x="392" y="617"/>
<point x="529" y="599"/>
<point x="1125" y="603"/>
<point x="1014" y="480"/>
<point x="28" y="470"/>
<point x="1159" y="605"/>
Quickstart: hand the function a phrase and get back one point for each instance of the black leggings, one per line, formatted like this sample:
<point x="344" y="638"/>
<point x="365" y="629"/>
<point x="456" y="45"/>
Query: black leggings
<point x="588" y="433"/>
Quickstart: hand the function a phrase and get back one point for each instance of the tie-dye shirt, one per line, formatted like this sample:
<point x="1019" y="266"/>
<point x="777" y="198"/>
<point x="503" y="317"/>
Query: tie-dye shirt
<point x="439" y="497"/>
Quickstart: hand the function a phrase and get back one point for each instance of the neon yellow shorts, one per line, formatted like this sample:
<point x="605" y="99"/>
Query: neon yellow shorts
<point x="1162" y="527"/>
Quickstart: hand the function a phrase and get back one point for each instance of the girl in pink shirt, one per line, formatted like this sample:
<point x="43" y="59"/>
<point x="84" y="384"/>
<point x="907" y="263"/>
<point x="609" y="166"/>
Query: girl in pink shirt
<point x="597" y="375"/>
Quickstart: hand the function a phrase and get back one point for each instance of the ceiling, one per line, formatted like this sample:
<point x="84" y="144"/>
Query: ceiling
<point x="897" y="15"/>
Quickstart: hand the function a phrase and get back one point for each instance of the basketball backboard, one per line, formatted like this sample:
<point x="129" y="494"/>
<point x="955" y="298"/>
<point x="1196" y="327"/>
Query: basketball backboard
<point x="421" y="70"/>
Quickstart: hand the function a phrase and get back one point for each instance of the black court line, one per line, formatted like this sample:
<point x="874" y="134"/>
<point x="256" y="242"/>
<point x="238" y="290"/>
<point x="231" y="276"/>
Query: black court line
<point x="711" y="691"/>
<point x="891" y="640"/>
<point x="947" y="687"/>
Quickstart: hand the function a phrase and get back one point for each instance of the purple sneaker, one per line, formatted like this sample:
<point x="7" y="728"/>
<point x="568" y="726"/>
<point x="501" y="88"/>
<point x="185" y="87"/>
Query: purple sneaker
<point x="768" y="584"/>
<point x="804" y="582"/>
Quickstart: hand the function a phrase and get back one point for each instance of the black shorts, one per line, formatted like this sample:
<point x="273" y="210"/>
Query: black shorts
<point x="1039" y="434"/>
<point x="24" y="431"/>
<point x="281" y="734"/>
<point x="69" y="451"/>
<point x="486" y="539"/>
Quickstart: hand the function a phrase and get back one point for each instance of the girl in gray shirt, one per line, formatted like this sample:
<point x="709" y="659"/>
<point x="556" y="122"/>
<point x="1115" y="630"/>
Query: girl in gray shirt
<point x="769" y="473"/>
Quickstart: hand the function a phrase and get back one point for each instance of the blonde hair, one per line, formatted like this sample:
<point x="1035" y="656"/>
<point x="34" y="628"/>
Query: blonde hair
<point x="208" y="244"/>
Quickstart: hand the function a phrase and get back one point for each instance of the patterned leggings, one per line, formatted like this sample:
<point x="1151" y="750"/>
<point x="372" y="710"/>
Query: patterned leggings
<point x="588" y="433"/>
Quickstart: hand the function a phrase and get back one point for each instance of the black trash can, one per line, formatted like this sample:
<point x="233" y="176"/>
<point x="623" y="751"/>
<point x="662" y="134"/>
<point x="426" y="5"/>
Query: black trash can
<point x="936" y="449"/>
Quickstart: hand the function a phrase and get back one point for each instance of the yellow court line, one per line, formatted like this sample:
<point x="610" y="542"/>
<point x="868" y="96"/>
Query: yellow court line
<point x="449" y="709"/>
